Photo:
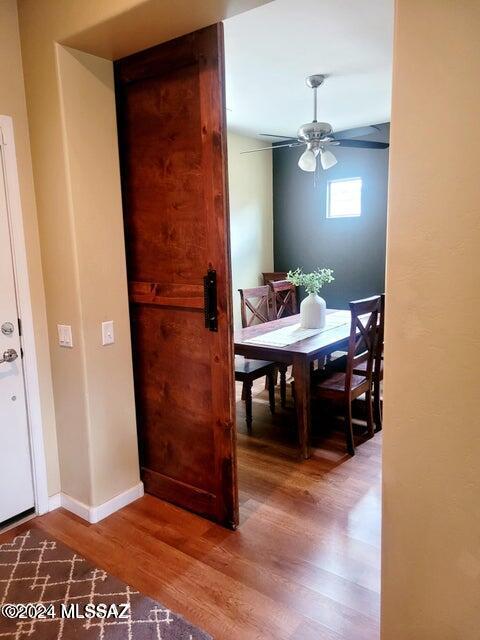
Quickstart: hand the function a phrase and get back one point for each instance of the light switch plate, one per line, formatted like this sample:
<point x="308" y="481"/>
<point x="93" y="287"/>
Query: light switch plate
<point x="65" y="338"/>
<point x="108" y="336"/>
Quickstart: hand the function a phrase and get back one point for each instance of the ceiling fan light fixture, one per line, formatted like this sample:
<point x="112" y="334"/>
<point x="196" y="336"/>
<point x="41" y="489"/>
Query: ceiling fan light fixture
<point x="327" y="159"/>
<point x="308" y="161"/>
<point x="319" y="135"/>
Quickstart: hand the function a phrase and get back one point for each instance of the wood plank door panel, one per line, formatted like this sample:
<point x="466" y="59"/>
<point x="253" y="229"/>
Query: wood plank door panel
<point x="171" y="120"/>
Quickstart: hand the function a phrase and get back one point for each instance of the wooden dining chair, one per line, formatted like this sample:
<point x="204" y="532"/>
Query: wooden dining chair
<point x="342" y="387"/>
<point x="284" y="295"/>
<point x="256" y="305"/>
<point x="272" y="276"/>
<point x="377" y="374"/>
<point x="255" y="308"/>
<point x="339" y="364"/>
<point x="284" y="303"/>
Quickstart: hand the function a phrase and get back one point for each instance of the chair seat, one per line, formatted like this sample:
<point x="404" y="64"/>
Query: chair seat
<point x="251" y="368"/>
<point x="336" y="382"/>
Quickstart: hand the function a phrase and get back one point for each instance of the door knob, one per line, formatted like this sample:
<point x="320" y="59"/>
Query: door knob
<point x="9" y="356"/>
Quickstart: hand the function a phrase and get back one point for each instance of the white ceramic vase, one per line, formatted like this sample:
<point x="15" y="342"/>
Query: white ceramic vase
<point x="313" y="312"/>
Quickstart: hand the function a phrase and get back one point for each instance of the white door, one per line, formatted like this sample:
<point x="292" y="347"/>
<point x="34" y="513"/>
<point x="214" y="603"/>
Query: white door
<point x="16" y="483"/>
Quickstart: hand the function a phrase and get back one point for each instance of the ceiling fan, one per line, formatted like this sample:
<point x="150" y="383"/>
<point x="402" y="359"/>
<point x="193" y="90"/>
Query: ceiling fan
<point x="318" y="136"/>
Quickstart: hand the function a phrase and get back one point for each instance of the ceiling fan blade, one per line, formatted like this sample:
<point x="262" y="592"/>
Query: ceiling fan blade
<point x="277" y="146"/>
<point x="364" y="144"/>
<point x="356" y="133"/>
<point x="272" y="135"/>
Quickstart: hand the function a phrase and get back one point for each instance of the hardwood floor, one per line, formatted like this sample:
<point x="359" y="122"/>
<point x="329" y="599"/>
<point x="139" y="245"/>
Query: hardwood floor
<point x="304" y="563"/>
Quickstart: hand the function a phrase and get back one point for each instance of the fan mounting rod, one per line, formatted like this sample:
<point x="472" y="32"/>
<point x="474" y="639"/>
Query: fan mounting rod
<point x="314" y="82"/>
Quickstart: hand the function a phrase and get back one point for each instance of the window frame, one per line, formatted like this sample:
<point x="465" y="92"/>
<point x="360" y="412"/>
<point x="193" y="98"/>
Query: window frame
<point x="328" y="201"/>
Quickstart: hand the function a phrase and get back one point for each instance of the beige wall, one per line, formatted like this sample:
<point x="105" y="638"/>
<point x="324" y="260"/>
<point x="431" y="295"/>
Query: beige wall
<point x="12" y="103"/>
<point x="431" y="495"/>
<point x="251" y="215"/>
<point x="109" y="448"/>
<point x="71" y="113"/>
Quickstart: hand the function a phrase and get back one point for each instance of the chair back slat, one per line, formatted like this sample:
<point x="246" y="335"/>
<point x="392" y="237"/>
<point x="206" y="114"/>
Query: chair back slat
<point x="284" y="294"/>
<point x="377" y="361"/>
<point x="256" y="306"/>
<point x="271" y="276"/>
<point x="364" y="330"/>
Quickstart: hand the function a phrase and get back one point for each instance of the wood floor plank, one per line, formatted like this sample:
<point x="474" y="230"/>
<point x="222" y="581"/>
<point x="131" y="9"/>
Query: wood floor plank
<point x="254" y="565"/>
<point x="304" y="563"/>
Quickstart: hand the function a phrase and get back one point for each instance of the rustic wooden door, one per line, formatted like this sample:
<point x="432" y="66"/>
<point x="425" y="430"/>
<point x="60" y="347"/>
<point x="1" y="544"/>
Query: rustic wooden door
<point x="172" y="135"/>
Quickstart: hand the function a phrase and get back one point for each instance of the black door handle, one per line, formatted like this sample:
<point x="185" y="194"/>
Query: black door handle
<point x="210" y="295"/>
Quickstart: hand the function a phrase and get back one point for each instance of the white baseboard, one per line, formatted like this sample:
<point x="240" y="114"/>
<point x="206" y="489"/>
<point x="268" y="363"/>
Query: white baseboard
<point x="54" y="502"/>
<point x="95" y="514"/>
<point x="116" y="503"/>
<point x="75" y="506"/>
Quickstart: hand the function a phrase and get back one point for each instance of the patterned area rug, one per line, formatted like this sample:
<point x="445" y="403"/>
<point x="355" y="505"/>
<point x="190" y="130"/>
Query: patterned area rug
<point x="68" y="598"/>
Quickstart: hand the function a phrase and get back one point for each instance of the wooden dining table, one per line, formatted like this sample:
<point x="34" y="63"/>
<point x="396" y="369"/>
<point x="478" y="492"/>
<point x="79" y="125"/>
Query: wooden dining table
<point x="299" y="354"/>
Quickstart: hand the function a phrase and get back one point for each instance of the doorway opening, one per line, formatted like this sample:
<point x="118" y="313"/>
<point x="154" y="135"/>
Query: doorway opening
<point x="300" y="98"/>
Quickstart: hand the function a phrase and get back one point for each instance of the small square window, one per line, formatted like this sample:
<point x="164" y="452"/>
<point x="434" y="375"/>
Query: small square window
<point x="344" y="198"/>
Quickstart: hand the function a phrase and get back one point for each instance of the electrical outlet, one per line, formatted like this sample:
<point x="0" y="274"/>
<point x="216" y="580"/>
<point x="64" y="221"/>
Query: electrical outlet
<point x="65" y="338"/>
<point x="108" y="336"/>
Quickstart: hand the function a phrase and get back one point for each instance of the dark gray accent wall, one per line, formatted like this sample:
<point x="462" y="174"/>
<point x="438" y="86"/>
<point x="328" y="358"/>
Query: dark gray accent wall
<point x="353" y="247"/>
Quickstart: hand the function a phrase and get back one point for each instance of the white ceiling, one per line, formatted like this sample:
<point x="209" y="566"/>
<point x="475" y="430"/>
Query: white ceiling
<point x="270" y="51"/>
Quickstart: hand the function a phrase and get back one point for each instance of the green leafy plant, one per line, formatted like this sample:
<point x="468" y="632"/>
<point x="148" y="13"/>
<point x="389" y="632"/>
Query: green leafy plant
<point x="313" y="281"/>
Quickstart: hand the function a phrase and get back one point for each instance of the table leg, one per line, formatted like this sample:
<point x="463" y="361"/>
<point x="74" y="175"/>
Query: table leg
<point x="301" y="376"/>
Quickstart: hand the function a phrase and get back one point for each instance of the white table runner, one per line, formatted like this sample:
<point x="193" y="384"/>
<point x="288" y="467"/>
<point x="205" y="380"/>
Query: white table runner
<point x="294" y="333"/>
